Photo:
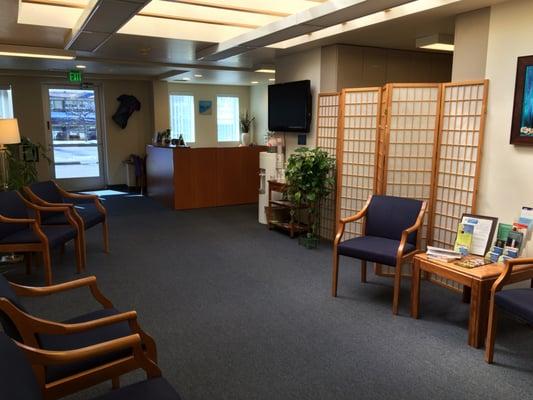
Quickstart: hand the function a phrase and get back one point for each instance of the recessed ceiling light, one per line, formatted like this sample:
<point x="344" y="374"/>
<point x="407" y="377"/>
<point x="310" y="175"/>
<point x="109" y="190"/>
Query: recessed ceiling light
<point x="254" y="82"/>
<point x="186" y="79"/>
<point x="438" y="41"/>
<point x="81" y="66"/>
<point x="198" y="75"/>
<point x="266" y="70"/>
<point x="272" y="80"/>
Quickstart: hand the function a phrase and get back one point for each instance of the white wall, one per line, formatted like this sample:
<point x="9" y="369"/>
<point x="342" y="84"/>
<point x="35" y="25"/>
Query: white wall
<point x="471" y="41"/>
<point x="297" y="67"/>
<point x="505" y="184"/>
<point x="259" y="110"/>
<point x="205" y="125"/>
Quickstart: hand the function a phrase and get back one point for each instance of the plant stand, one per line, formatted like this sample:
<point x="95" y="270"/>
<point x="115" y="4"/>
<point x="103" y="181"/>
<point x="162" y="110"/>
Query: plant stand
<point x="279" y="212"/>
<point x="308" y="242"/>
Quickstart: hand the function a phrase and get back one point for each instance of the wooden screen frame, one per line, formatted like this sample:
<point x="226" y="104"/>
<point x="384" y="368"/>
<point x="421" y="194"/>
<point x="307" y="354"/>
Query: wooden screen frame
<point x="341" y="142"/>
<point x="324" y="218"/>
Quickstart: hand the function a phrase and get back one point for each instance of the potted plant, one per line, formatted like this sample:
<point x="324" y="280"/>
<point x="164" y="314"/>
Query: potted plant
<point x="22" y="162"/>
<point x="246" y="122"/>
<point x="310" y="178"/>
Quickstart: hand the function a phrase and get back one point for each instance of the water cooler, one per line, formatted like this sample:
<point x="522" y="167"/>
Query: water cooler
<point x="267" y="171"/>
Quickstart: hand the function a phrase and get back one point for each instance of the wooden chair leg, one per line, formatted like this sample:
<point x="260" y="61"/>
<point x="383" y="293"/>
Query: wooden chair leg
<point x="363" y="271"/>
<point x="491" y="333"/>
<point x="397" y="283"/>
<point x="335" y="276"/>
<point x="115" y="382"/>
<point x="105" y="228"/>
<point x="83" y="245"/>
<point x="47" y="263"/>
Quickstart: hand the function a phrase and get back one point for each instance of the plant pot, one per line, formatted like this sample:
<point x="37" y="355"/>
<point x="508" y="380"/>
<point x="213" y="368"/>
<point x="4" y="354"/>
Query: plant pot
<point x="245" y="138"/>
<point x="309" y="242"/>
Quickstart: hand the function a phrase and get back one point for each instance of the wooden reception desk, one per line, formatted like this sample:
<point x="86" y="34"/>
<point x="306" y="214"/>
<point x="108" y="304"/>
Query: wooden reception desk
<point x="185" y="178"/>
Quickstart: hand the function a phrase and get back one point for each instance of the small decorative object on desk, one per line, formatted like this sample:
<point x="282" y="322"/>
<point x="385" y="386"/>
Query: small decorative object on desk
<point x="246" y="123"/>
<point x="463" y="242"/>
<point x="472" y="262"/>
<point x="440" y="254"/>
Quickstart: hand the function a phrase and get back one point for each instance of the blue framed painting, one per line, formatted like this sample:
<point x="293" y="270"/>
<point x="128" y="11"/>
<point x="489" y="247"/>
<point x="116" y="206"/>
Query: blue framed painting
<point x="205" y="107"/>
<point x="522" y="127"/>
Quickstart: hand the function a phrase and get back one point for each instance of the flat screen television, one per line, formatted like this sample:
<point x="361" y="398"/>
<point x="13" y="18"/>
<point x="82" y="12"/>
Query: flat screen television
<point x="289" y="107"/>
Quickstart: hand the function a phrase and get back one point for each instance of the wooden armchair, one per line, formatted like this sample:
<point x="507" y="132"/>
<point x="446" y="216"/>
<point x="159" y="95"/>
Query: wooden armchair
<point x="21" y="234"/>
<point x="87" y="209"/>
<point x="21" y="364"/>
<point x="518" y="302"/>
<point x="389" y="237"/>
<point x="82" y="331"/>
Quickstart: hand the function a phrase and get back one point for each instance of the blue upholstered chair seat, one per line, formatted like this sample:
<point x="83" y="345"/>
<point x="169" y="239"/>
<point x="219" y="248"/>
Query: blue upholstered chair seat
<point x="374" y="249"/>
<point x="88" y="212"/>
<point x="516" y="301"/>
<point x="156" y="389"/>
<point x="56" y="235"/>
<point x="83" y="339"/>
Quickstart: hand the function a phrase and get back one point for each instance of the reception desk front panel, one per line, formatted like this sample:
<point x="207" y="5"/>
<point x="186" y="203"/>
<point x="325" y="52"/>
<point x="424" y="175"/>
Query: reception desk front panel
<point x="186" y="178"/>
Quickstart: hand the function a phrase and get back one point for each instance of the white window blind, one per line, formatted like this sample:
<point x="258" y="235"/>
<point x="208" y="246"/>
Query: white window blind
<point x="6" y="102"/>
<point x="182" y="116"/>
<point x="227" y="119"/>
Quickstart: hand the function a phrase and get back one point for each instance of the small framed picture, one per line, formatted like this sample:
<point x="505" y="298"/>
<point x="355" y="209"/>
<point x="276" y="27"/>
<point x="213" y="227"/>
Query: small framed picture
<point x="205" y="107"/>
<point x="483" y="234"/>
<point x="522" y="126"/>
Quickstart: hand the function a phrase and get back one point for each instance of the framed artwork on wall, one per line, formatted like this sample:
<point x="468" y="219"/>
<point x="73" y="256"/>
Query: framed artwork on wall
<point x="522" y="127"/>
<point x="205" y="107"/>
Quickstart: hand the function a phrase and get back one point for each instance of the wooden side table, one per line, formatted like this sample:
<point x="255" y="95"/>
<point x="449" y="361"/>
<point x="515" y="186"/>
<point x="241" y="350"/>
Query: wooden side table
<point x="290" y="225"/>
<point x="479" y="280"/>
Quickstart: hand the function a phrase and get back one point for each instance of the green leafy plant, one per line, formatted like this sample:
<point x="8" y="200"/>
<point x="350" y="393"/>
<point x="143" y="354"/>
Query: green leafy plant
<point x="310" y="179"/>
<point x="246" y="121"/>
<point x="23" y="171"/>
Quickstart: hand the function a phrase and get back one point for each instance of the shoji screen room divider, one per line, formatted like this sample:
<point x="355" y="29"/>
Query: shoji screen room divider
<point x="419" y="141"/>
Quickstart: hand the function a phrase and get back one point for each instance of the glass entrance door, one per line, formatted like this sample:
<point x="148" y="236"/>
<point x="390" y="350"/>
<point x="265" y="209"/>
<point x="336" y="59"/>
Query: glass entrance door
<point x="74" y="134"/>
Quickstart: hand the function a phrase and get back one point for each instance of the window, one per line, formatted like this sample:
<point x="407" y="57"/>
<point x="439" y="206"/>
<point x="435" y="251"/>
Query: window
<point x="6" y="102"/>
<point x="182" y="116"/>
<point x="227" y="119"/>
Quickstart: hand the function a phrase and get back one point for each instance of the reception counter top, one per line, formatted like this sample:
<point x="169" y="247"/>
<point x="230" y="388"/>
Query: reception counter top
<point x="185" y="178"/>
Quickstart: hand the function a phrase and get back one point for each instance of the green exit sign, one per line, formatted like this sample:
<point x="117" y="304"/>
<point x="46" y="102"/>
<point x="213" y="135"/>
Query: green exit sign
<point x="74" y="76"/>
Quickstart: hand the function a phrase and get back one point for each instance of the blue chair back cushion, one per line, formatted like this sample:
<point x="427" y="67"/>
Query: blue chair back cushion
<point x="47" y="191"/>
<point x="389" y="216"/>
<point x="518" y="302"/>
<point x="17" y="380"/>
<point x="7" y="324"/>
<point x="12" y="206"/>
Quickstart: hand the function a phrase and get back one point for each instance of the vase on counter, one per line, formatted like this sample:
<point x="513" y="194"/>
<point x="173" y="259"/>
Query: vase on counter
<point x="245" y="138"/>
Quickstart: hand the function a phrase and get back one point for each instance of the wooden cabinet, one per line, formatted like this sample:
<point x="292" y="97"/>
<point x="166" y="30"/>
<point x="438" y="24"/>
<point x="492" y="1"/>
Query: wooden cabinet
<point x="203" y="177"/>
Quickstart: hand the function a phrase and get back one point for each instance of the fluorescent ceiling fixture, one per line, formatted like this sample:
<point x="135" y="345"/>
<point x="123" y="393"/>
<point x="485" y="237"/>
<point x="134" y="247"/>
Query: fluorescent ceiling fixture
<point x="35" y="52"/>
<point x="81" y="66"/>
<point x="254" y="82"/>
<point x="438" y="41"/>
<point x="183" y="30"/>
<point x="272" y="80"/>
<point x="198" y="75"/>
<point x="404" y="10"/>
<point x="198" y="20"/>
<point x="266" y="70"/>
<point x="58" y="16"/>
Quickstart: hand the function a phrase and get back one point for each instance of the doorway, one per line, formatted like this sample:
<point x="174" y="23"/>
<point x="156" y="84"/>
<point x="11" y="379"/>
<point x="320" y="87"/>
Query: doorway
<point x="74" y="136"/>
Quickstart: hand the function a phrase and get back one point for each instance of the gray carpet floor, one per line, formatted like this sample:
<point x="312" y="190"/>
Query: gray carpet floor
<point x="240" y="312"/>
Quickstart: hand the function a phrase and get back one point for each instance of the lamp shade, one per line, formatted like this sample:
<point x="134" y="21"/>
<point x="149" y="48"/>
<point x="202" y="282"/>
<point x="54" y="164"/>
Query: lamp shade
<point x="9" y="131"/>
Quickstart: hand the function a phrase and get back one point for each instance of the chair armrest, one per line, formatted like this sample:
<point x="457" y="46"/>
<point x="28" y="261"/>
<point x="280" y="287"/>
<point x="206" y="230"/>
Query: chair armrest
<point x="353" y="218"/>
<point x="8" y="220"/>
<point x="95" y="198"/>
<point x="32" y="325"/>
<point x="411" y="229"/>
<point x="89" y="281"/>
<point x="507" y="271"/>
<point x="133" y="342"/>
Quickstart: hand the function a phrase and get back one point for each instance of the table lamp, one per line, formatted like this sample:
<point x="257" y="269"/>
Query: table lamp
<point x="9" y="134"/>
